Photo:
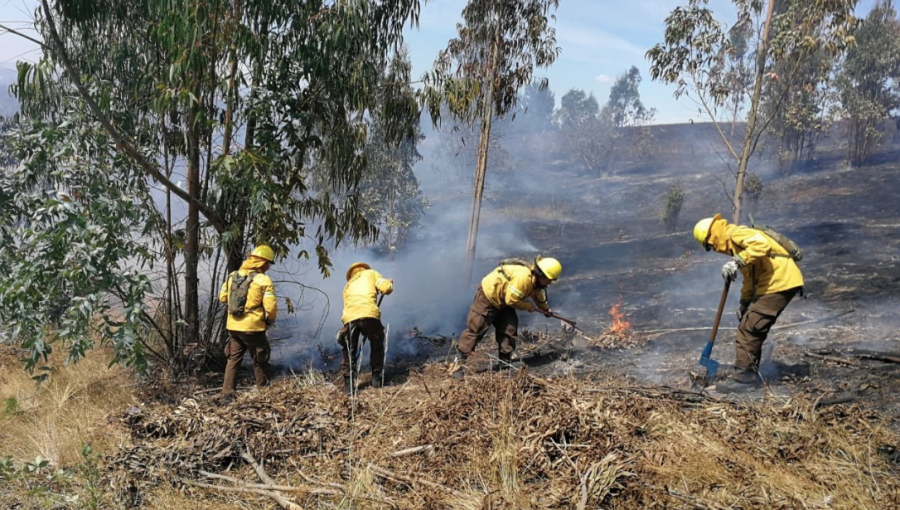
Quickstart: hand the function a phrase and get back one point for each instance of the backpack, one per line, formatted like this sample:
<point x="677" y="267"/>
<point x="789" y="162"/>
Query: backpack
<point x="237" y="296"/>
<point x="794" y="250"/>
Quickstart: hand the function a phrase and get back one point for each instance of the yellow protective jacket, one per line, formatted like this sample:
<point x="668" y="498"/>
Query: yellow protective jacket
<point x="261" y="301"/>
<point x="769" y="268"/>
<point x="512" y="285"/>
<point x="360" y="294"/>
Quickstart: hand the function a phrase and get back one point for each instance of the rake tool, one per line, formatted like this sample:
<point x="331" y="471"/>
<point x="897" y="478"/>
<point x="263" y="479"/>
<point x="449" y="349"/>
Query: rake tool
<point x="705" y="360"/>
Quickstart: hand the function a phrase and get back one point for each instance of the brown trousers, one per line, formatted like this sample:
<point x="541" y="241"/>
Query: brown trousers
<point x="482" y="315"/>
<point x="755" y="325"/>
<point x="238" y="344"/>
<point x="373" y="330"/>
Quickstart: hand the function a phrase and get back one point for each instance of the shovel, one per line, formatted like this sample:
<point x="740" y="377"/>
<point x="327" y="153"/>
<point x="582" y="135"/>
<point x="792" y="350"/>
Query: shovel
<point x="705" y="360"/>
<point x="570" y="322"/>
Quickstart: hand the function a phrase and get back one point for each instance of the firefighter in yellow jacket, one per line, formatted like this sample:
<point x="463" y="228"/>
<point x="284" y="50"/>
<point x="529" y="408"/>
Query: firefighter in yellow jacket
<point x="247" y="324"/>
<point x="362" y="317"/>
<point x="514" y="285"/>
<point x="771" y="280"/>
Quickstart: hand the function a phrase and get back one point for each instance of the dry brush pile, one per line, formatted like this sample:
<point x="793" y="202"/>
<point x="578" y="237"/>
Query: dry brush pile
<point x="510" y="441"/>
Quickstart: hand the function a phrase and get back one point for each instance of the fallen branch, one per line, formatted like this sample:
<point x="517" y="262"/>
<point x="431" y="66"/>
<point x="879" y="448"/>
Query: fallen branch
<point x="783" y="326"/>
<point x="281" y="500"/>
<point x="384" y="473"/>
<point x="843" y="398"/>
<point x="835" y="359"/>
<point x="260" y="471"/>
<point x="886" y="358"/>
<point x="410" y="451"/>
<point x="282" y="488"/>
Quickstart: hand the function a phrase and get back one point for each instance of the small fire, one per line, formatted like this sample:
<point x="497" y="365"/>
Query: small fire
<point x="619" y="326"/>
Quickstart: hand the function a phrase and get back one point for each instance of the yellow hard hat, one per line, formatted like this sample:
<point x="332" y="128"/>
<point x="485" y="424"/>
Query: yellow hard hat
<point x="550" y="267"/>
<point x="702" y="228"/>
<point x="355" y="266"/>
<point x="264" y="251"/>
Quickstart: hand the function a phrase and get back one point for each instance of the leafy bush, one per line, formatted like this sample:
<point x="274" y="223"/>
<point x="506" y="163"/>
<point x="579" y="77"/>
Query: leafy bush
<point x="753" y="189"/>
<point x="672" y="207"/>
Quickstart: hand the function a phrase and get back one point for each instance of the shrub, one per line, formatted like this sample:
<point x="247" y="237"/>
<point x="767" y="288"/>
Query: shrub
<point x="672" y="207"/>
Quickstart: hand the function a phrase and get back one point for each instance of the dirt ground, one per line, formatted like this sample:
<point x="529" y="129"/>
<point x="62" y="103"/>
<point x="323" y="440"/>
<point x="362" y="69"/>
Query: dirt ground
<point x="615" y="250"/>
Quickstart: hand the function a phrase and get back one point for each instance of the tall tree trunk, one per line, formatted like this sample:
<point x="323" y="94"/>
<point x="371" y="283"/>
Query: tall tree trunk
<point x="192" y="232"/>
<point x="751" y="119"/>
<point x="484" y="142"/>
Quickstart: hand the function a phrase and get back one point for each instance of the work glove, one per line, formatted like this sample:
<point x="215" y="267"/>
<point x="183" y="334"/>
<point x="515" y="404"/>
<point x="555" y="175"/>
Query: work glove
<point x="731" y="268"/>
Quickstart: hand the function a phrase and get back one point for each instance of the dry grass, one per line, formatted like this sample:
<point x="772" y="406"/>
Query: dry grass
<point x="72" y="408"/>
<point x="516" y="442"/>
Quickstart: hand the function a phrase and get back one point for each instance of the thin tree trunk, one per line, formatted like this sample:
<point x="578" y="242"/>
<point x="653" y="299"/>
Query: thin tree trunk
<point x="478" y="193"/>
<point x="231" y="92"/>
<point x="747" y="149"/>
<point x="192" y="233"/>
<point x="484" y="141"/>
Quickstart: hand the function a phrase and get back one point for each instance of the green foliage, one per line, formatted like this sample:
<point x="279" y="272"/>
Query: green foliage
<point x="706" y="60"/>
<point x="624" y="120"/>
<point x="579" y="123"/>
<point x="389" y="194"/>
<point x="796" y="99"/>
<point x="672" y="207"/>
<point x="867" y="83"/>
<point x="536" y="106"/>
<point x="249" y="102"/>
<point x="10" y="406"/>
<point x="598" y="137"/>
<point x="753" y="190"/>
<point x="500" y="43"/>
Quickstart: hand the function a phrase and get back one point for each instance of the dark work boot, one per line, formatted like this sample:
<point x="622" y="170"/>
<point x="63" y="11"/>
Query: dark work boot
<point x="741" y="381"/>
<point x="377" y="378"/>
<point x="506" y="362"/>
<point x="748" y="376"/>
<point x="459" y="360"/>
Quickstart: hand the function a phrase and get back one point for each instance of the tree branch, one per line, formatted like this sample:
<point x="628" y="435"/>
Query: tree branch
<point x="20" y="34"/>
<point x="59" y="50"/>
<point x="713" y="118"/>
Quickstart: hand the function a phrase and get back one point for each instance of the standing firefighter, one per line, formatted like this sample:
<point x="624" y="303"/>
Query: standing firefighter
<point x="771" y="280"/>
<point x="501" y="293"/>
<point x="362" y="317"/>
<point x="252" y="308"/>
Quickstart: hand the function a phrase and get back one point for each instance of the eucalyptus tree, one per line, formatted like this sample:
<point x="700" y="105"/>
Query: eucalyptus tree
<point x="578" y="118"/>
<point x="242" y="100"/>
<point x="867" y="84"/>
<point x="624" y="120"/>
<point x="696" y="55"/>
<point x="480" y="72"/>
<point x="389" y="194"/>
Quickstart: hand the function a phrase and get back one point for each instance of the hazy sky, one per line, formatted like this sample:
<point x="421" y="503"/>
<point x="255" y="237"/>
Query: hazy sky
<point x="600" y="39"/>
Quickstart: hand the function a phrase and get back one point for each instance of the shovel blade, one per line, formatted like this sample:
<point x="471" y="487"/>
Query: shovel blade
<point x="711" y="365"/>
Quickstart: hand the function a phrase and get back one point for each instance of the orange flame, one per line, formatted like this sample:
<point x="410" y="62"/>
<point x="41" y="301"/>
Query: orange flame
<point x="619" y="326"/>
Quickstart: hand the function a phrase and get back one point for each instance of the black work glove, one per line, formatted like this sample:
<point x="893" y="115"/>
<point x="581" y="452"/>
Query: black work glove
<point x="731" y="268"/>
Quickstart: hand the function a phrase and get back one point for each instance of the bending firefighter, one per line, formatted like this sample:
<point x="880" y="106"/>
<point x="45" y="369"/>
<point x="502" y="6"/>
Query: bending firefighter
<point x="514" y="285"/>
<point x="771" y="280"/>
<point x="362" y="317"/>
<point x="252" y="308"/>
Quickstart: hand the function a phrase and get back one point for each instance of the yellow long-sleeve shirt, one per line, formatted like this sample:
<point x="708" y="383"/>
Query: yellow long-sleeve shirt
<point x="360" y="295"/>
<point x="512" y="285"/>
<point x="768" y="267"/>
<point x="262" y="304"/>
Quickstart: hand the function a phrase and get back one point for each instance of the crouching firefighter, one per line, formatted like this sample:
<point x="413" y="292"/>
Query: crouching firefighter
<point x="771" y="280"/>
<point x="252" y="308"/>
<point x="362" y="317"/>
<point x="514" y="285"/>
